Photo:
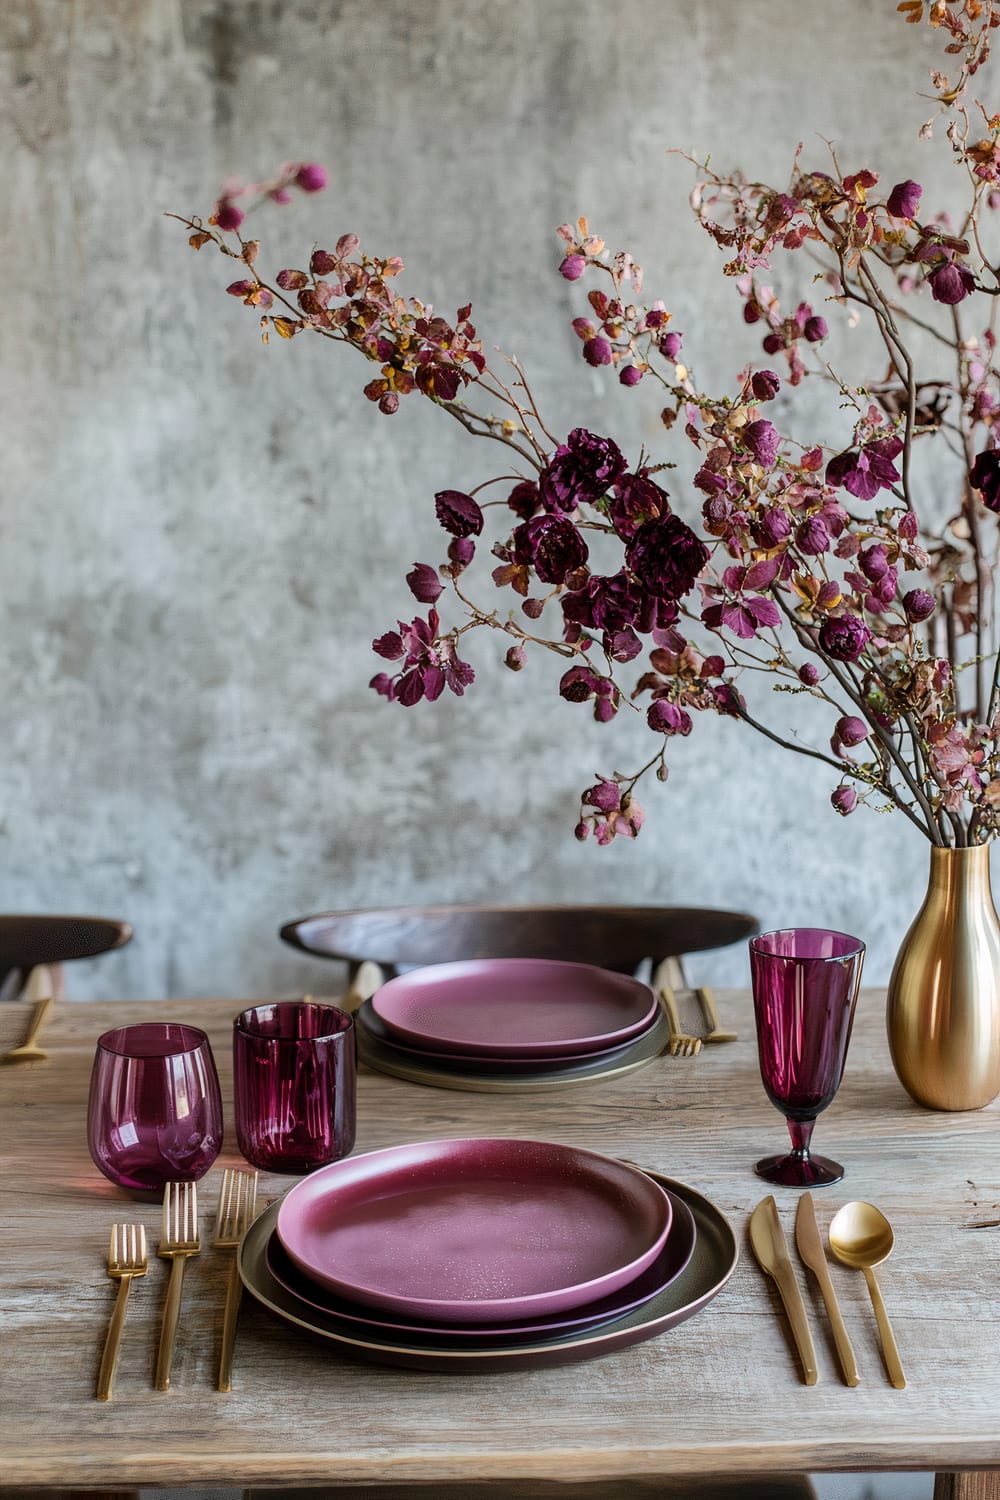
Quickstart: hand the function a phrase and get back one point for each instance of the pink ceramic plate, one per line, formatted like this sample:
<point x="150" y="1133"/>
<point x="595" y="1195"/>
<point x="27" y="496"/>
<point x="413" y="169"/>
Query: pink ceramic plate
<point x="475" y="1231"/>
<point x="509" y="1007"/>
<point x="667" y="1266"/>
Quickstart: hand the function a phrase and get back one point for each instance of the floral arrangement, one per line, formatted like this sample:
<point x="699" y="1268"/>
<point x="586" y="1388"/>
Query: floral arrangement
<point x="812" y="563"/>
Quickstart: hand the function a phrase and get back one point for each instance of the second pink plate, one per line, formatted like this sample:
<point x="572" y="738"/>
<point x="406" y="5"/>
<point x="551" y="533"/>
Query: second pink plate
<point x="509" y="1007"/>
<point x="475" y="1231"/>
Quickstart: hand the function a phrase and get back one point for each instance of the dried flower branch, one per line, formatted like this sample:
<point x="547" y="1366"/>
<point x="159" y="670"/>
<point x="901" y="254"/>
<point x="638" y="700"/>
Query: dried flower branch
<point x="814" y="564"/>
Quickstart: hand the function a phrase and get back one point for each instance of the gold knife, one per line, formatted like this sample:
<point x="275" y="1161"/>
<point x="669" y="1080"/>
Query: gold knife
<point x="811" y="1250"/>
<point x="767" y="1240"/>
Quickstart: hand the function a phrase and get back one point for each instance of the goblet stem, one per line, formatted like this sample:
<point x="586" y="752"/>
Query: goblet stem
<point x="801" y="1135"/>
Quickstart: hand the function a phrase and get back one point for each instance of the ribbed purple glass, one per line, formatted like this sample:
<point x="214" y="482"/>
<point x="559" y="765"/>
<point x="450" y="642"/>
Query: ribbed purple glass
<point x="805" y="985"/>
<point x="294" y="1076"/>
<point x="155" y="1111"/>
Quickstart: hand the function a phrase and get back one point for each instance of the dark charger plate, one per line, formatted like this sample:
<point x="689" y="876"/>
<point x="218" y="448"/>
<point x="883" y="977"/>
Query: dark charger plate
<point x="714" y="1260"/>
<point x="500" y="1076"/>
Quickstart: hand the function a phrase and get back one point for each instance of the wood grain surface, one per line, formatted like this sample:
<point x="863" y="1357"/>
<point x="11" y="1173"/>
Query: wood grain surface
<point x="721" y="1394"/>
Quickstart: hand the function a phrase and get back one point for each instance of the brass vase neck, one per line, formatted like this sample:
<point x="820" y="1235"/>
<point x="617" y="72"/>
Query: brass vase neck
<point x="960" y="873"/>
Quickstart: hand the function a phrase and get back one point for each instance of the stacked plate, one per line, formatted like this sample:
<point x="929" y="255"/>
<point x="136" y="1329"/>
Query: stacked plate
<point x="512" y="1023"/>
<point x="486" y="1254"/>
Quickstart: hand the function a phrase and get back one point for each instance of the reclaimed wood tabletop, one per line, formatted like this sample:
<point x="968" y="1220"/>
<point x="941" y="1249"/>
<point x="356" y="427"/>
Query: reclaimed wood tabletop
<point x="722" y="1393"/>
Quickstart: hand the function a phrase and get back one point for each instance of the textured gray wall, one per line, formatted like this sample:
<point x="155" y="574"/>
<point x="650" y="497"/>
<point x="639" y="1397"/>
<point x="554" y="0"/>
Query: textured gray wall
<point x="201" y="536"/>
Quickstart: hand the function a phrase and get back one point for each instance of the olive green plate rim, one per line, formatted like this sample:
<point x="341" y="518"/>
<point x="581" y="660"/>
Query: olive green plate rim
<point x="646" y="1049"/>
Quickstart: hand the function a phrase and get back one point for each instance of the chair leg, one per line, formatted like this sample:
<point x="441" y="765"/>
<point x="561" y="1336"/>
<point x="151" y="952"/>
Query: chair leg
<point x="972" y="1486"/>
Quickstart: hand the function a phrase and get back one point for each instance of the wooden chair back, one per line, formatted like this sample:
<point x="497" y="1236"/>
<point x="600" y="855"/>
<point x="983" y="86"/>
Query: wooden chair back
<point x="27" y="941"/>
<point x="613" y="937"/>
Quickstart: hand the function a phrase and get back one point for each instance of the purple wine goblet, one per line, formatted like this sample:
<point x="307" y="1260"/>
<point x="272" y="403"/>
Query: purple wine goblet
<point x="155" y="1111"/>
<point x="294" y="1077"/>
<point x="805" y="986"/>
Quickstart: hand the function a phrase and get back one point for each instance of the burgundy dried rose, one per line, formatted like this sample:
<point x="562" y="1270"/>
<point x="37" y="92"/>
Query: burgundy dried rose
<point x="227" y="215"/>
<point x="851" y="731"/>
<point x="761" y="439"/>
<point x="670" y="344"/>
<point x="772" y="343"/>
<point x="773" y="527"/>
<point x="668" y="718"/>
<point x="552" y="545"/>
<point x="311" y="177"/>
<point x="844" y="637"/>
<point x="424" y="583"/>
<point x="874" y="562"/>
<point x="845" y="800"/>
<point x="919" y="605"/>
<point x="604" y="603"/>
<point x="765" y="385"/>
<point x="808" y="674"/>
<point x="597" y="351"/>
<point x="984" y="476"/>
<point x="578" y="685"/>
<point x="630" y="375"/>
<point x="606" y="796"/>
<point x="461" y="551"/>
<point x="666" y="556"/>
<point x="904" y="200"/>
<point x="636" y="499"/>
<point x="815" y="329"/>
<point x="581" y="470"/>
<point x="812" y="536"/>
<point x="951" y="283"/>
<point x="573" y="267"/>
<point x="515" y="658"/>
<point x="458" y="513"/>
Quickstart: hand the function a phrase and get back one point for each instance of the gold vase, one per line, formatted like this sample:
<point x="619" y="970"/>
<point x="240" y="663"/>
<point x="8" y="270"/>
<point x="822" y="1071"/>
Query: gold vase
<point x="943" y="1012"/>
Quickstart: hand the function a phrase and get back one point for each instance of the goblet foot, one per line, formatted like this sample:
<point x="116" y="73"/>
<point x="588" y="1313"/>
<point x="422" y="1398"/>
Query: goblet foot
<point x="797" y="1170"/>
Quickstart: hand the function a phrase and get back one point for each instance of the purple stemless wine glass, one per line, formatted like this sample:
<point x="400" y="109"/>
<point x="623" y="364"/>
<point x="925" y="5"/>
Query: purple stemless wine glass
<point x="155" y="1113"/>
<point x="294" y="1074"/>
<point x="805" y="985"/>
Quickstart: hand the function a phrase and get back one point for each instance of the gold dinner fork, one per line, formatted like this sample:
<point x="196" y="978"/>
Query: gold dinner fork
<point x="680" y="1044"/>
<point x="126" y="1260"/>
<point x="236" y="1212"/>
<point x="179" y="1241"/>
<point x="715" y="1032"/>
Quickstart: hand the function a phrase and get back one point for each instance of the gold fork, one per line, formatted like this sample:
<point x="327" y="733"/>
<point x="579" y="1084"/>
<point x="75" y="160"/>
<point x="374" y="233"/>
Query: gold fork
<point x="680" y="1044"/>
<point x="715" y="1032"/>
<point x="126" y="1260"/>
<point x="179" y="1241"/>
<point x="236" y="1212"/>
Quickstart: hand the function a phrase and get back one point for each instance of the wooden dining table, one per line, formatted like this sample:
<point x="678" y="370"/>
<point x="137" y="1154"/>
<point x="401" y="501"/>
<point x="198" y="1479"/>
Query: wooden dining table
<point x="721" y="1394"/>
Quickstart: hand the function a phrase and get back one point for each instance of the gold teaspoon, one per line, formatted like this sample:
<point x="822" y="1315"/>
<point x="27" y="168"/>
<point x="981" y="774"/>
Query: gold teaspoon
<point x="861" y="1236"/>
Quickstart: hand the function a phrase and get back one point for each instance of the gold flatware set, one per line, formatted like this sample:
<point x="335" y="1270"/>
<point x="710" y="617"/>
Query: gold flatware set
<point x="667" y="979"/>
<point x="860" y="1236"/>
<point x="180" y="1240"/>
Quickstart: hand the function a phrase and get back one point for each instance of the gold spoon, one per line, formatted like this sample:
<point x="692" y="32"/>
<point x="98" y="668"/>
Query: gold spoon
<point x="28" y="1052"/>
<point x="861" y="1236"/>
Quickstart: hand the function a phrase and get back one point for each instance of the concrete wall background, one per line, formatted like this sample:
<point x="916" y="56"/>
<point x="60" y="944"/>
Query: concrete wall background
<point x="201" y="536"/>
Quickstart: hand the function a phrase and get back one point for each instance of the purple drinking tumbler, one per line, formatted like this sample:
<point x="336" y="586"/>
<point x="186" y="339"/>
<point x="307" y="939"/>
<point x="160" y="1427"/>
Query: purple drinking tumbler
<point x="155" y="1111"/>
<point x="294" y="1079"/>
<point x="805" y="985"/>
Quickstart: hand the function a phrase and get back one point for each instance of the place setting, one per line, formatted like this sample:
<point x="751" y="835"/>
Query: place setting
<point x="485" y="1253"/>
<point x="511" y="1025"/>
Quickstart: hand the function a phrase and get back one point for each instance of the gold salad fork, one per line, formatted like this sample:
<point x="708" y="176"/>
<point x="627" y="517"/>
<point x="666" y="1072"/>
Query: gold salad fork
<point x="126" y="1260"/>
<point x="179" y="1241"/>
<point x="680" y="1044"/>
<point x="236" y="1212"/>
